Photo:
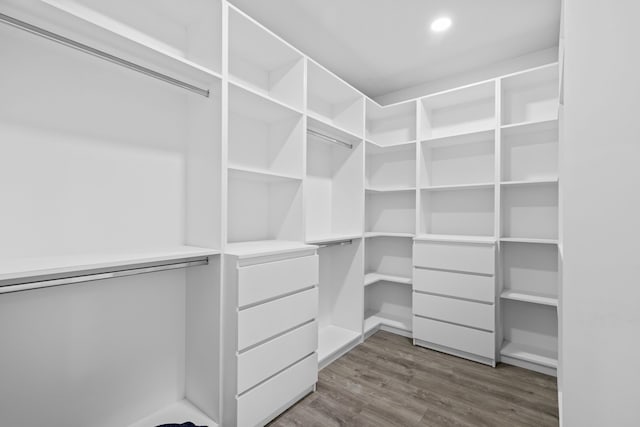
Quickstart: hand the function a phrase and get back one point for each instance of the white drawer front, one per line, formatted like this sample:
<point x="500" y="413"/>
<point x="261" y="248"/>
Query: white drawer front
<point x="455" y="256"/>
<point x="263" y="321"/>
<point x="455" y="337"/>
<point x="274" y="394"/>
<point x="468" y="313"/>
<point x="261" y="362"/>
<point x="460" y="285"/>
<point x="264" y="281"/>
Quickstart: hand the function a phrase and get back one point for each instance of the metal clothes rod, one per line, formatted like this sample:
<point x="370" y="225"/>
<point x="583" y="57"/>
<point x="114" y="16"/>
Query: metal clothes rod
<point x="100" y="276"/>
<point x="329" y="138"/>
<point x="336" y="243"/>
<point x="99" y="54"/>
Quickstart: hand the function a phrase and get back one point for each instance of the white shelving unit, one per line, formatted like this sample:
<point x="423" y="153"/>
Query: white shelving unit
<point x="334" y="203"/>
<point x="103" y="227"/>
<point x="391" y="125"/>
<point x="261" y="61"/>
<point x="333" y="102"/>
<point x="530" y="96"/>
<point x="458" y="112"/>
<point x="341" y="299"/>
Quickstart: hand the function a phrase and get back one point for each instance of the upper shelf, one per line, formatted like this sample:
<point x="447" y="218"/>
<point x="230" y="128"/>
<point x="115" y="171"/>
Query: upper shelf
<point x="334" y="102"/>
<point x="122" y="28"/>
<point x="36" y="268"/>
<point x="264" y="62"/>
<point x="392" y="124"/>
<point x="455" y="238"/>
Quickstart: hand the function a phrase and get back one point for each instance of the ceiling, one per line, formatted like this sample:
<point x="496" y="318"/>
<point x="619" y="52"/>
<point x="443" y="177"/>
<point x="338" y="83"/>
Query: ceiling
<point x="381" y="46"/>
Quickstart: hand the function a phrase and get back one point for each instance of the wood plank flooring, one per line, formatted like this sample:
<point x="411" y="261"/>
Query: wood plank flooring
<point x="386" y="381"/>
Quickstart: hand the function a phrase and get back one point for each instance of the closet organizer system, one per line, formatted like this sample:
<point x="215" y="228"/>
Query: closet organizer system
<point x="197" y="217"/>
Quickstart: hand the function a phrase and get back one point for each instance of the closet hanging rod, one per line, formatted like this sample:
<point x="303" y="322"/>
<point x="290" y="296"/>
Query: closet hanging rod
<point x="336" y="243"/>
<point x="99" y="53"/>
<point x="101" y="276"/>
<point x="329" y="138"/>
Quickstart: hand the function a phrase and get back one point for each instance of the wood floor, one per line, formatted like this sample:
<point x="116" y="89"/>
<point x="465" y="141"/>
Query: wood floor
<point x="386" y="381"/>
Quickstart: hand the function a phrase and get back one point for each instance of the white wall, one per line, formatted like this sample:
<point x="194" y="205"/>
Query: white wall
<point x="601" y="215"/>
<point x="531" y="60"/>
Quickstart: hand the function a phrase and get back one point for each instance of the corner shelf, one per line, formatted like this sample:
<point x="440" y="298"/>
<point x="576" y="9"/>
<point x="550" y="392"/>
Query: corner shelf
<point x="530" y="297"/>
<point x="371" y="278"/>
<point x="376" y="320"/>
<point x="537" y="356"/>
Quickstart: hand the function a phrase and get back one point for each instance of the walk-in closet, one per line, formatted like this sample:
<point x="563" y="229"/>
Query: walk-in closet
<point x="369" y="213"/>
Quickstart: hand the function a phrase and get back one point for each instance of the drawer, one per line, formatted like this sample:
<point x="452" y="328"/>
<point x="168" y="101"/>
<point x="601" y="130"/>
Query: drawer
<point x="455" y="337"/>
<point x="263" y="321"/>
<point x="468" y="313"/>
<point x="269" y="280"/>
<point x="473" y="258"/>
<point x="460" y="285"/>
<point x="263" y="361"/>
<point x="274" y="394"/>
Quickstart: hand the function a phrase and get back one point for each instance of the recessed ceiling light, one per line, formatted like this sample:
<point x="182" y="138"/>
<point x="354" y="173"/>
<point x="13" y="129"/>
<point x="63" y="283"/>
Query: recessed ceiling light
<point x="441" y="24"/>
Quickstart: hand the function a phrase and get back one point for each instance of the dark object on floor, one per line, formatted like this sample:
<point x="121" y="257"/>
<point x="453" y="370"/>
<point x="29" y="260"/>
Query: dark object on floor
<point x="187" y="424"/>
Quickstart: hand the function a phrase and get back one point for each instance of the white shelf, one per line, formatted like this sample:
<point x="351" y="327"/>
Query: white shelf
<point x="468" y="137"/>
<point x="530" y="297"/>
<point x="388" y="189"/>
<point x="529" y="354"/>
<point x="478" y="186"/>
<point x="332" y="339"/>
<point x="34" y="267"/>
<point x="337" y="237"/>
<point x="265" y="247"/>
<point x="529" y="126"/>
<point x="262" y="175"/>
<point x="246" y="101"/>
<point x="177" y="413"/>
<point x="374" y="321"/>
<point x="530" y="182"/>
<point x="371" y="278"/>
<point x="75" y="21"/>
<point x="377" y="148"/>
<point x="370" y="234"/>
<point x="455" y="238"/>
<point x="527" y="240"/>
<point x="324" y="126"/>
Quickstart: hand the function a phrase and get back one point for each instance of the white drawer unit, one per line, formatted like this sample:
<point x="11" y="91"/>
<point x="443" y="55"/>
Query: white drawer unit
<point x="270" y="334"/>
<point x="447" y="336"/>
<point x="259" y="405"/>
<point x="460" y="285"/>
<point x="462" y="312"/>
<point x="454" y="295"/>
<point x="471" y="258"/>
<point x="269" y="280"/>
